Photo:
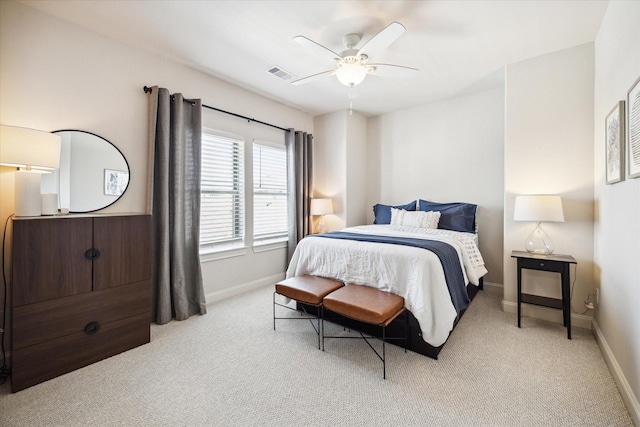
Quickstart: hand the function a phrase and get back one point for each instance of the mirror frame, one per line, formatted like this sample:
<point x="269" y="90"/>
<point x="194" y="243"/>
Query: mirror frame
<point x="118" y="150"/>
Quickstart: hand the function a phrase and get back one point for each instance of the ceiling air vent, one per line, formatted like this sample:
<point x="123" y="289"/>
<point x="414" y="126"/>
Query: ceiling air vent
<point x="279" y="72"/>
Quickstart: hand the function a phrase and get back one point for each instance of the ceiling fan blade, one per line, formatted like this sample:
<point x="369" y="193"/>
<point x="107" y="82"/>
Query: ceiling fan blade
<point x="312" y="77"/>
<point x="382" y="40"/>
<point x="317" y="48"/>
<point x="388" y="70"/>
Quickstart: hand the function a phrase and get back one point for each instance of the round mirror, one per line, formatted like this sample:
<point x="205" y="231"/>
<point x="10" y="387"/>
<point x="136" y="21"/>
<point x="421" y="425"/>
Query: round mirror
<point x="93" y="173"/>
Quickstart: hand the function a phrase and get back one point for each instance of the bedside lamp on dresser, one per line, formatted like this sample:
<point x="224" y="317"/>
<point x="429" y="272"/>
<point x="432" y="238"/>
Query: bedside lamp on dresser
<point x="33" y="152"/>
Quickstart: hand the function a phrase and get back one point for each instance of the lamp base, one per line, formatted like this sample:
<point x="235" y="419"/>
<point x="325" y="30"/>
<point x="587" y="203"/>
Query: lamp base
<point x="28" y="199"/>
<point x="538" y="242"/>
<point x="321" y="228"/>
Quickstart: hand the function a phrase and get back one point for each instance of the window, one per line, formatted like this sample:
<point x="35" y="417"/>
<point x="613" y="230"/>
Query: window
<point x="269" y="191"/>
<point x="222" y="195"/>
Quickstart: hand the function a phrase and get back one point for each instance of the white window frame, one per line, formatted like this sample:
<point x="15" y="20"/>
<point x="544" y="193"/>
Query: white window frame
<point x="269" y="242"/>
<point x="235" y="245"/>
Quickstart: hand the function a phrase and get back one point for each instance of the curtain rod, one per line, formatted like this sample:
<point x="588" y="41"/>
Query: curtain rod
<point x="249" y="119"/>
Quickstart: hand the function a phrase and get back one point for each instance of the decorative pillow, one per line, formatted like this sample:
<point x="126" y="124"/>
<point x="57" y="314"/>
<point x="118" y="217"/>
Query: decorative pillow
<point x="382" y="213"/>
<point x="453" y="216"/>
<point x="432" y="219"/>
<point x="415" y="218"/>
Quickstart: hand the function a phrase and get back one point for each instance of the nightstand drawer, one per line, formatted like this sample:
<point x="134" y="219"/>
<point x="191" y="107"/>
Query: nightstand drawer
<point x="541" y="264"/>
<point x="47" y="360"/>
<point x="36" y="323"/>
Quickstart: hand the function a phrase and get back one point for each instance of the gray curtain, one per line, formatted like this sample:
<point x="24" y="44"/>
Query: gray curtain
<point x="175" y="132"/>
<point x="300" y="181"/>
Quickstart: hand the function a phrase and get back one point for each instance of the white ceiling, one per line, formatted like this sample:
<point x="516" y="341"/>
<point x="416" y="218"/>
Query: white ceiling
<point x="459" y="46"/>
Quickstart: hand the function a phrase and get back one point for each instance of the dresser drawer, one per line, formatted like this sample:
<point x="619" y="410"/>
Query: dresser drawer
<point x="36" y="323"/>
<point x="47" y="360"/>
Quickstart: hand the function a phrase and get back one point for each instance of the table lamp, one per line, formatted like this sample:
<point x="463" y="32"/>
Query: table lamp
<point x="538" y="208"/>
<point x="321" y="207"/>
<point x="33" y="152"/>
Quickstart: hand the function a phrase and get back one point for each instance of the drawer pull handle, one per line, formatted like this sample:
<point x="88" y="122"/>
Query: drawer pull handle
<point x="92" y="328"/>
<point x="92" y="254"/>
<point x="542" y="264"/>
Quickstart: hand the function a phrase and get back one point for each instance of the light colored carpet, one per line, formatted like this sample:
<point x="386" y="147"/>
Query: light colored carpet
<point x="230" y="368"/>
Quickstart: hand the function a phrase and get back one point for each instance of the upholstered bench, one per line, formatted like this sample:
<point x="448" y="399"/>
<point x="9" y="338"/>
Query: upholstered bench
<point x="368" y="305"/>
<point x="309" y="290"/>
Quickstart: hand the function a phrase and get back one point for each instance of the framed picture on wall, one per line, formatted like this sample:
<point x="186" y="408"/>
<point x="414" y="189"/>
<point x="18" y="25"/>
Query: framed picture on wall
<point x="633" y="130"/>
<point x="115" y="182"/>
<point x="614" y="144"/>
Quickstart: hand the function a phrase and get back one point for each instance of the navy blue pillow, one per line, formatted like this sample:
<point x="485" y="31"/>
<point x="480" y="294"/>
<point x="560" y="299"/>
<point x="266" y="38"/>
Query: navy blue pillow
<point x="383" y="212"/>
<point x="453" y="216"/>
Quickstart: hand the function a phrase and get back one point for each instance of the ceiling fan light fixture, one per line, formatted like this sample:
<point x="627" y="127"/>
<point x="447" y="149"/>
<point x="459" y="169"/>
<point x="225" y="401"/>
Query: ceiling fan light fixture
<point x="351" y="73"/>
<point x="352" y="65"/>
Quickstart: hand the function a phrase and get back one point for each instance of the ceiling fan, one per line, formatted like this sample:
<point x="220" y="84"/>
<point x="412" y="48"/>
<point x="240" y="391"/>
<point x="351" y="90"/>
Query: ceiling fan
<point x="352" y="65"/>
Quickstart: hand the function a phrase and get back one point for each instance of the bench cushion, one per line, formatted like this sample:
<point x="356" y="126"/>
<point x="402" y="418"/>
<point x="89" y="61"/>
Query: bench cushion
<point x="307" y="289"/>
<point x="365" y="304"/>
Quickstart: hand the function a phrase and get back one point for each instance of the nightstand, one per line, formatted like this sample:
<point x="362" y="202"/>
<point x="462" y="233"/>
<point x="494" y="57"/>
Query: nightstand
<point x="553" y="263"/>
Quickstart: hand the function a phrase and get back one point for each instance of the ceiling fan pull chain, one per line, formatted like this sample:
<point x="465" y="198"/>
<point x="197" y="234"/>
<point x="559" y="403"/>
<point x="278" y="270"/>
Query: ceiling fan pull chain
<point x="351" y="100"/>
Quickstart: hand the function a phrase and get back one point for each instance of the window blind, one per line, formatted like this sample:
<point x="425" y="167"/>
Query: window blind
<point x="221" y="210"/>
<point x="269" y="191"/>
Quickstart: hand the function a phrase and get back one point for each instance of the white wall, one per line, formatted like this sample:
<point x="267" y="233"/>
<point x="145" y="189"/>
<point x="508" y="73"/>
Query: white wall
<point x="357" y="169"/>
<point x="549" y="129"/>
<point x="617" y="208"/>
<point x="330" y="165"/>
<point x="55" y="75"/>
<point x="340" y="167"/>
<point x="450" y="151"/>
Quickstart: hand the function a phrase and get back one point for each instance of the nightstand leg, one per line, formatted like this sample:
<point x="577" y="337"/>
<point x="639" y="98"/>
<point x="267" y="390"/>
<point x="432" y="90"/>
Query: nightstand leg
<point x="519" y="290"/>
<point x="566" y="298"/>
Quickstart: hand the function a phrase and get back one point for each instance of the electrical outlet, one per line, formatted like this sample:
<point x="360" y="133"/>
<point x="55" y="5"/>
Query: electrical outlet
<point x="597" y="295"/>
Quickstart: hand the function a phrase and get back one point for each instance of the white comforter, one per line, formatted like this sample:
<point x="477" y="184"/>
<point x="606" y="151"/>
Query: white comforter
<point x="413" y="273"/>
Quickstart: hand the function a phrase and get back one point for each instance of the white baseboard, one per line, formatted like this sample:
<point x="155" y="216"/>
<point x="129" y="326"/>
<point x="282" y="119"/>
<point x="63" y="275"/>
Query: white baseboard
<point x="630" y="399"/>
<point x="544" y="313"/>
<point x="232" y="291"/>
<point x="493" y="287"/>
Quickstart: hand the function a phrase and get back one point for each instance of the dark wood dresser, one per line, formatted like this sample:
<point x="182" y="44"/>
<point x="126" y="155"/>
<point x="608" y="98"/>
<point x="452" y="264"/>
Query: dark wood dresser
<point x="80" y="292"/>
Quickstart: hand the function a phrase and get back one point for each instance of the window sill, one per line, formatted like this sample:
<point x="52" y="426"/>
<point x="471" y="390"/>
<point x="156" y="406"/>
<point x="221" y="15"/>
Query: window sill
<point x="269" y="245"/>
<point x="217" y="254"/>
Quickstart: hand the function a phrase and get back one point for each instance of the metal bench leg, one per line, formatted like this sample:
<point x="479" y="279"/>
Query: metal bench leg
<point x="323" y="328"/>
<point x="308" y="317"/>
<point x="383" y="356"/>
<point x="384" y="362"/>
<point x="320" y="315"/>
<point x="406" y="330"/>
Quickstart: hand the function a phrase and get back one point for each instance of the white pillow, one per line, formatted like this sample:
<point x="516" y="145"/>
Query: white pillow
<point x="396" y="216"/>
<point x="434" y="219"/>
<point x="418" y="219"/>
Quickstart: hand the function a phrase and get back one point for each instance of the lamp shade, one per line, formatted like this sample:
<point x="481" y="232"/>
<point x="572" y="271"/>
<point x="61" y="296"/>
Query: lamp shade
<point x="35" y="152"/>
<point x="321" y="206"/>
<point x="29" y="148"/>
<point x="538" y="208"/>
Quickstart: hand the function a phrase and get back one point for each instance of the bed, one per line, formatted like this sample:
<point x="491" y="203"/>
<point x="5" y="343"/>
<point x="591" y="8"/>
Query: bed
<point x="431" y="259"/>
